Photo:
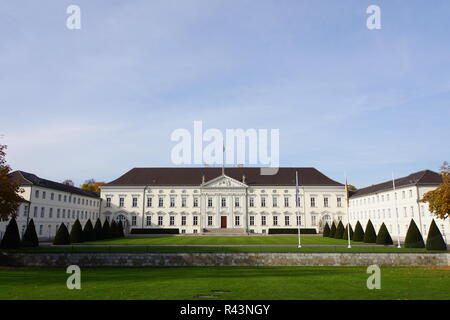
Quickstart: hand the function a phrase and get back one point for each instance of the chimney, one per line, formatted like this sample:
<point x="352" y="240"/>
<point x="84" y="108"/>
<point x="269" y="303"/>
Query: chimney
<point x="243" y="178"/>
<point x="203" y="179"/>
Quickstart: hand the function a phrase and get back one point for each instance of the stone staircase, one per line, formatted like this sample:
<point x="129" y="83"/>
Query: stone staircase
<point x="224" y="231"/>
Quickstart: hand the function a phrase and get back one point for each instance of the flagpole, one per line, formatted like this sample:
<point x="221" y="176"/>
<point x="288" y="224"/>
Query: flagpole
<point x="297" y="206"/>
<point x="348" y="216"/>
<point x="396" y="212"/>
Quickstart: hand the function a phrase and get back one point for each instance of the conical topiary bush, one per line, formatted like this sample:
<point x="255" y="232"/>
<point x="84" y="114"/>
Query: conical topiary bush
<point x="383" y="236"/>
<point x="106" y="230"/>
<point x="120" y="228"/>
<point x="370" y="236"/>
<point x="358" y="235"/>
<point x="11" y="238"/>
<point x="435" y="241"/>
<point x="76" y="234"/>
<point x="326" y="230"/>
<point x="88" y="231"/>
<point x="30" y="238"/>
<point x="98" y="230"/>
<point x="339" y="231"/>
<point x="332" y="230"/>
<point x="414" y="237"/>
<point x="345" y="235"/>
<point x="113" y="230"/>
<point x="62" y="235"/>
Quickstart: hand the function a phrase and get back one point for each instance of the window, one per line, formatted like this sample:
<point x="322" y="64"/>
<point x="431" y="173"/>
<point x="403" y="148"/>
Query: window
<point x="299" y="220"/>
<point x="263" y="220"/>
<point x="263" y="202"/>
<point x="148" y="220"/>
<point x="275" y="220"/>
<point x="42" y="212"/>
<point x="172" y="220"/>
<point x="410" y="193"/>
<point x="58" y="213"/>
<point x="52" y="196"/>
<point x="183" y="220"/>
<point x="236" y="202"/>
<point x="286" y="220"/>
<point x="210" y="220"/>
<point x="35" y="209"/>
<point x="160" y="220"/>
<point x="195" y="204"/>
<point x="325" y="202"/>
<point x="183" y="202"/>
<point x="275" y="201"/>
<point x="313" y="220"/>
<point x="223" y="202"/>
<point x="313" y="202"/>
<point x="64" y="213"/>
<point x="403" y="194"/>
<point x="82" y="202"/>
<point x="108" y="202"/>
<point x="40" y="229"/>
<point x="135" y="200"/>
<point x="25" y="210"/>
<point x="252" y="220"/>
<point x="65" y="198"/>
<point x="149" y="201"/>
<point x="422" y="210"/>
<point x="172" y="202"/>
<point x="50" y="213"/>
<point x="59" y="197"/>
<point x="251" y="202"/>
<point x="210" y="202"/>
<point x="339" y="202"/>
<point x="387" y="197"/>
<point x="36" y="194"/>
<point x="133" y="220"/>
<point x="237" y="220"/>
<point x="412" y="211"/>
<point x="286" y="201"/>
<point x="121" y="202"/>
<point x="404" y="212"/>
<point x="195" y="221"/>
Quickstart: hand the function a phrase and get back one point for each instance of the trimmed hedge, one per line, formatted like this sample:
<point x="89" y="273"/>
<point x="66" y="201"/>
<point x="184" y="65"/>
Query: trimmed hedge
<point x="155" y="231"/>
<point x="106" y="230"/>
<point x="30" y="238"/>
<point x="358" y="235"/>
<point x="76" y="234"/>
<point x="88" y="231"/>
<point x="332" y="230"/>
<point x="98" y="230"/>
<point x="370" y="236"/>
<point x="345" y="235"/>
<point x="113" y="230"/>
<point x="120" y="229"/>
<point x="11" y="238"/>
<point x="292" y="231"/>
<point x="62" y="235"/>
<point x="339" y="231"/>
<point x="435" y="241"/>
<point x="326" y="230"/>
<point x="414" y="238"/>
<point x="383" y="236"/>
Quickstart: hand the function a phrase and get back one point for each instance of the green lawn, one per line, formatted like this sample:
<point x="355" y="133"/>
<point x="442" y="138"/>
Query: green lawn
<point x="226" y="283"/>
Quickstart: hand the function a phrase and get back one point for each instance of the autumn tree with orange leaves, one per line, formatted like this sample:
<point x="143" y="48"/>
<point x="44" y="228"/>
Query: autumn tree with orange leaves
<point x="439" y="199"/>
<point x="9" y="191"/>
<point x="92" y="185"/>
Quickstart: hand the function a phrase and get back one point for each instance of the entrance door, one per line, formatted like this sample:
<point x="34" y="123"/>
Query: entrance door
<point x="223" y="222"/>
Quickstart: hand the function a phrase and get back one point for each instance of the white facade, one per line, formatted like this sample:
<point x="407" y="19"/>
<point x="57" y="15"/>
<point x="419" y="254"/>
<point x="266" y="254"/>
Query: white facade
<point x="222" y="202"/>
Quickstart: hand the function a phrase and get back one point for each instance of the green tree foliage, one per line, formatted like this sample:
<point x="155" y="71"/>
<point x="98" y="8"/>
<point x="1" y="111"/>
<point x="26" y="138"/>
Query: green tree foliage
<point x="76" y="234"/>
<point x="339" y="231"/>
<point x="98" y="230"/>
<point x="370" y="236"/>
<point x="414" y="237"/>
<point x="345" y="235"/>
<point x="88" y="231"/>
<point x="383" y="236"/>
<point x="30" y="238"/>
<point x="10" y="198"/>
<point x="62" y="236"/>
<point x="358" y="235"/>
<point x="11" y="238"/>
<point x="113" y="232"/>
<point x="439" y="198"/>
<point x="332" y="230"/>
<point x="120" y="228"/>
<point x="435" y="241"/>
<point x="106" y="230"/>
<point x="326" y="230"/>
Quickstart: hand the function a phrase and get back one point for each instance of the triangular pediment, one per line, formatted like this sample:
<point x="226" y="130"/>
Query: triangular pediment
<point x="224" y="181"/>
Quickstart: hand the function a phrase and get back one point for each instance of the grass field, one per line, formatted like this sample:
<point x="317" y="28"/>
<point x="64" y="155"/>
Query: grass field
<point x="226" y="283"/>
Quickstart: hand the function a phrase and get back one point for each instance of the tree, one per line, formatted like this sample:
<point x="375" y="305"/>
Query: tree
<point x="11" y="238"/>
<point x="370" y="236"/>
<point x="76" y="234"/>
<point x="435" y="241"/>
<point x="68" y="182"/>
<point x="326" y="230"/>
<point x="383" y="236"/>
<point x="62" y="236"/>
<point x="113" y="230"/>
<point x="98" y="230"/>
<point x="332" y="230"/>
<point x="351" y="187"/>
<point x="30" y="238"/>
<point x="345" y="235"/>
<point x="92" y="185"/>
<point x="439" y="198"/>
<point x="120" y="228"/>
<point x="106" y="230"/>
<point x="414" y="237"/>
<point x="10" y="191"/>
<point x="88" y="231"/>
<point x="339" y="231"/>
<point x="358" y="235"/>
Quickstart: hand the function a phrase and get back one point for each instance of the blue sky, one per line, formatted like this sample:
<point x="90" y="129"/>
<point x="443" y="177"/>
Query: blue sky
<point x="95" y="102"/>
